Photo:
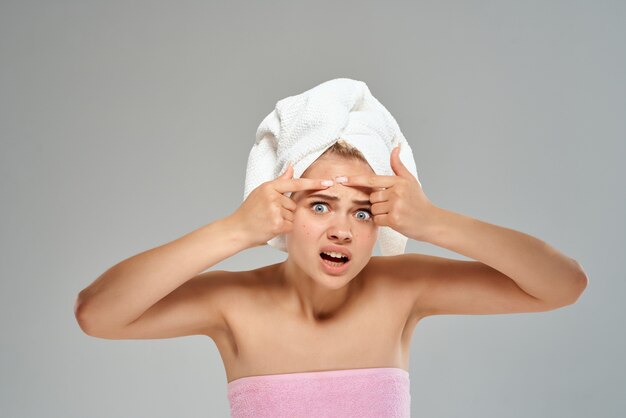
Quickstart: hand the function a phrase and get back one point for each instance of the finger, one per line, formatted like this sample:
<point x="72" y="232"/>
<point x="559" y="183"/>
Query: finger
<point x="379" y="196"/>
<point x="380" y="208"/>
<point x="288" y="172"/>
<point x="295" y="185"/>
<point x="288" y="203"/>
<point x="370" y="181"/>
<point x="382" y="220"/>
<point x="287" y="226"/>
<point x="287" y="214"/>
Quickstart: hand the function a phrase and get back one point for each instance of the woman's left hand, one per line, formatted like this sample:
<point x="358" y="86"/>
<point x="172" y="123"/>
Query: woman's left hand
<point x="399" y="201"/>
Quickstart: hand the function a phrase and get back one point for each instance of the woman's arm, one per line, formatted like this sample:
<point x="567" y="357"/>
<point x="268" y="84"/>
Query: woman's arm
<point x="128" y="289"/>
<point x="537" y="268"/>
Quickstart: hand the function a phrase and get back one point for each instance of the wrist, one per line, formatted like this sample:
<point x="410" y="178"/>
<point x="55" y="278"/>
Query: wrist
<point x="436" y="225"/>
<point x="235" y="232"/>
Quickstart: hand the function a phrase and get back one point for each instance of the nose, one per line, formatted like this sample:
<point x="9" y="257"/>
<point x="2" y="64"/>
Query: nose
<point x="340" y="230"/>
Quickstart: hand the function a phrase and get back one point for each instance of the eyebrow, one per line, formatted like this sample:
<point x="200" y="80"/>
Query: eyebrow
<point x="335" y="198"/>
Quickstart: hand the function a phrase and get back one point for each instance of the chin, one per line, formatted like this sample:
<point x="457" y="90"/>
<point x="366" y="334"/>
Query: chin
<point x="334" y="282"/>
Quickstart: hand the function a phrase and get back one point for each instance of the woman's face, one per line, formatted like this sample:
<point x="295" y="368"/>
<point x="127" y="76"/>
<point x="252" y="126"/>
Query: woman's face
<point x="320" y="221"/>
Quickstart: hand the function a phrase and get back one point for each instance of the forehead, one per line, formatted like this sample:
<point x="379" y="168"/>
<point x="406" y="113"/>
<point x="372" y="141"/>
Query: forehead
<point x="329" y="167"/>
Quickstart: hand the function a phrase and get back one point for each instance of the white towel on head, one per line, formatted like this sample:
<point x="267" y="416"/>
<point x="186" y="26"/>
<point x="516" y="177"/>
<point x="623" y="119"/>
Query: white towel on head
<point x="303" y="126"/>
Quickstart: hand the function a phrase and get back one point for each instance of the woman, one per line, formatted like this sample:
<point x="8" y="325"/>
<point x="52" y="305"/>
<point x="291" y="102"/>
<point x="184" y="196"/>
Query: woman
<point x="312" y="336"/>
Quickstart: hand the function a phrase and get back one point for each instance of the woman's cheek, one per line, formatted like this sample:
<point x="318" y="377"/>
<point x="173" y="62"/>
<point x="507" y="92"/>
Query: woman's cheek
<point x="369" y="234"/>
<point x="301" y="225"/>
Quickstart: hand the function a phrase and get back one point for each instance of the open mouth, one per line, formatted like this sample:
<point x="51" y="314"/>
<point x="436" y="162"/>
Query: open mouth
<point x="334" y="261"/>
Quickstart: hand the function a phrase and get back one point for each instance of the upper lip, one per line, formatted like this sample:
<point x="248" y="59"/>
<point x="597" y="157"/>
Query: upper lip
<point x="337" y="249"/>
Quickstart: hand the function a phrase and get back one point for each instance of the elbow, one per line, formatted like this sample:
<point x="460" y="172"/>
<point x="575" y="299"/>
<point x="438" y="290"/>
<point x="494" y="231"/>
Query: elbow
<point x="88" y="322"/>
<point x="81" y="316"/>
<point x="578" y="288"/>
<point x="570" y="293"/>
<point x="582" y="279"/>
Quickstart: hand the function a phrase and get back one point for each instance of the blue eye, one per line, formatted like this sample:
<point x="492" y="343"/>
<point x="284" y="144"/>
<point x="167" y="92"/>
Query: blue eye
<point x="369" y="217"/>
<point x="369" y="214"/>
<point x="318" y="203"/>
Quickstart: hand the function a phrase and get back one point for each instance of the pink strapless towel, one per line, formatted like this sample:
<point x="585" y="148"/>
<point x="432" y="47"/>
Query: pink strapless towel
<point x="381" y="392"/>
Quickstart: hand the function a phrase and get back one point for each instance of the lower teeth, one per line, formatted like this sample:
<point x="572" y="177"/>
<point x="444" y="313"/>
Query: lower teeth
<point x="334" y="264"/>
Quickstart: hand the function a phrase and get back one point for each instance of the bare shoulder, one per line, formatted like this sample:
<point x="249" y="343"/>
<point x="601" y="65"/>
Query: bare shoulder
<point x="396" y="279"/>
<point x="391" y="279"/>
<point x="231" y="289"/>
<point x="225" y="287"/>
<point x="403" y="277"/>
<point x="400" y="273"/>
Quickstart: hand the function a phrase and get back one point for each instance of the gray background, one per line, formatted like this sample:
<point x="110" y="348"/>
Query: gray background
<point x="125" y="125"/>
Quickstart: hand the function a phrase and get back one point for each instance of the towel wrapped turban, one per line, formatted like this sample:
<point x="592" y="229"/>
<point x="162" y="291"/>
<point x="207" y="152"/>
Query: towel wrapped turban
<point x="302" y="127"/>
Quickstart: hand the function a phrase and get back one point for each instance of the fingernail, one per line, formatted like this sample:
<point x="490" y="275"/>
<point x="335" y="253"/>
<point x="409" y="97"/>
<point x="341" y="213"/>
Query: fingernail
<point x="327" y="182"/>
<point x="341" y="179"/>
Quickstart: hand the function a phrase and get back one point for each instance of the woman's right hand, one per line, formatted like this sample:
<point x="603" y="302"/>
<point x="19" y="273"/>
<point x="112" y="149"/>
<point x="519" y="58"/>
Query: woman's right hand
<point x="267" y="212"/>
